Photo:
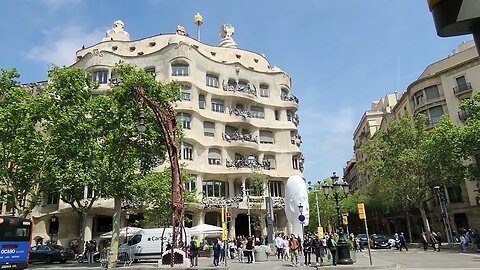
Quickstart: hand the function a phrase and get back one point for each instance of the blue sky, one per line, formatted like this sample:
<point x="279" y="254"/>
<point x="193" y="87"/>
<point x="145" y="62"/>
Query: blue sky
<point x="341" y="54"/>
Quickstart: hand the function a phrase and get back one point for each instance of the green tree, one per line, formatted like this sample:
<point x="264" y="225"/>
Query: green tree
<point x="22" y="145"/>
<point x="470" y="136"/>
<point x="407" y="161"/>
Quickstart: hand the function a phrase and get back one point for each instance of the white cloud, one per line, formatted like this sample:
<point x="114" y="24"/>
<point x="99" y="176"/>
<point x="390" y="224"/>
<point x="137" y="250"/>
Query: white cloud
<point x="60" y="45"/>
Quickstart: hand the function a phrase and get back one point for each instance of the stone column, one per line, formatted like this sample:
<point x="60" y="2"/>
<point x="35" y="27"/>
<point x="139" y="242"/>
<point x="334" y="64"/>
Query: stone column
<point x="199" y="218"/>
<point x="231" y="187"/>
<point x="88" y="228"/>
<point x="231" y="227"/>
<point x="199" y="185"/>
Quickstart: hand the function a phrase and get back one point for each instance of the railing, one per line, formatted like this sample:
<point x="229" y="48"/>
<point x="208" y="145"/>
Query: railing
<point x="248" y="162"/>
<point x="126" y="256"/>
<point x="218" y="202"/>
<point x="241" y="112"/>
<point x="238" y="87"/>
<point x="462" y="88"/>
<point x="238" y="136"/>
<point x="289" y="97"/>
<point x="296" y="119"/>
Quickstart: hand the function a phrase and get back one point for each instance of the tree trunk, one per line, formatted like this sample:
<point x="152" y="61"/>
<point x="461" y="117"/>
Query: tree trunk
<point x="409" y="228"/>
<point x="81" y="233"/>
<point x="426" y="226"/>
<point x="112" y="256"/>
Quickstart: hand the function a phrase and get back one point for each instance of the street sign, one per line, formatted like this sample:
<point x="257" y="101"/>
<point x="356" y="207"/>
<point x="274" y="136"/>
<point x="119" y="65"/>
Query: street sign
<point x="301" y="218"/>
<point x="361" y="211"/>
<point x="320" y="232"/>
<point x="229" y="215"/>
<point x="224" y="232"/>
<point x="345" y="219"/>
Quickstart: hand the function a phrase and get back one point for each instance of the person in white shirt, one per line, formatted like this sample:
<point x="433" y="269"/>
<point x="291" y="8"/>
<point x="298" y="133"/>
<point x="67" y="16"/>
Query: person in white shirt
<point x="279" y="246"/>
<point x="286" y="249"/>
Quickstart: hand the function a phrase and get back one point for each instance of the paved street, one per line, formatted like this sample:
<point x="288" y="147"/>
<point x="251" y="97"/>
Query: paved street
<point x="382" y="259"/>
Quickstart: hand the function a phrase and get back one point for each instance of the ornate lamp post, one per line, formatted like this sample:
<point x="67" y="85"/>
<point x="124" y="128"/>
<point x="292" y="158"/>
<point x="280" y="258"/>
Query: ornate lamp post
<point x="342" y="245"/>
<point x="198" y="20"/>
<point x="247" y="192"/>
<point x="444" y="215"/>
<point x="53" y="227"/>
<point x="301" y="218"/>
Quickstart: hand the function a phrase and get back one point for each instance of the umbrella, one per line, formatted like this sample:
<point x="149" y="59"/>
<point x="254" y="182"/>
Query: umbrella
<point x="206" y="229"/>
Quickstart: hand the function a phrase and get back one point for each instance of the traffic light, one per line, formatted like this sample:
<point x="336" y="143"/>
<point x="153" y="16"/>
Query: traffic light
<point x="361" y="211"/>
<point x="229" y="216"/>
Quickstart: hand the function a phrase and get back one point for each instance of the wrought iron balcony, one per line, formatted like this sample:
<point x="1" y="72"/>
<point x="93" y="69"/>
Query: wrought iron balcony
<point x="463" y="114"/>
<point x="219" y="202"/>
<point x="238" y="136"/>
<point x="241" y="112"/>
<point x="248" y="162"/>
<point x="239" y="87"/>
<point x="462" y="88"/>
<point x="296" y="119"/>
<point x="289" y="97"/>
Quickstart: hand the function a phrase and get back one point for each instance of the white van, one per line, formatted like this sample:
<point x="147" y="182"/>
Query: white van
<point x="146" y="244"/>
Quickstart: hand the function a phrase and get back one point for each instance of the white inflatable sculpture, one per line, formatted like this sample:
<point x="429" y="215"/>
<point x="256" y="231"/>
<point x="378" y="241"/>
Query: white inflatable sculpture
<point x="296" y="193"/>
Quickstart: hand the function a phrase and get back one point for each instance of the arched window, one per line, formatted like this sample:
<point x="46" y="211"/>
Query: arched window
<point x="212" y="80"/>
<point x="218" y="105"/>
<point x="214" y="156"/>
<point x="100" y="76"/>
<point x="257" y="112"/>
<point x="186" y="92"/>
<point x="179" y="69"/>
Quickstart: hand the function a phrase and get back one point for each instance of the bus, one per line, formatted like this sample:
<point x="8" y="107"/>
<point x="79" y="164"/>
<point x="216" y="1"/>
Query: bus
<point x="15" y="240"/>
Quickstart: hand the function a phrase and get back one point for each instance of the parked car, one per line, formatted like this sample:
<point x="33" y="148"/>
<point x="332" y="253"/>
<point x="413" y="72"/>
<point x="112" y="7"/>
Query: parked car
<point x="379" y="241"/>
<point x="50" y="254"/>
<point x="363" y="240"/>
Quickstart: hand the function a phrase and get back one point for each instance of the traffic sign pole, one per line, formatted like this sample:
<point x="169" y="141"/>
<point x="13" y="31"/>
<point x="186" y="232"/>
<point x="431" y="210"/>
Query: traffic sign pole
<point x="362" y="215"/>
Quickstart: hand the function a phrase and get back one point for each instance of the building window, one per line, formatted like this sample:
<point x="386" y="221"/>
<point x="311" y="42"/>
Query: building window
<point x="461" y="81"/>
<point x="218" y="105"/>
<point x="100" y="76"/>
<point x="103" y="224"/>
<point x="436" y="114"/>
<point x="277" y="115"/>
<point x="209" y="129"/>
<point x="257" y="112"/>
<point x="201" y="102"/>
<point x="275" y="188"/>
<point x="295" y="162"/>
<point x="186" y="92"/>
<point x="293" y="136"/>
<point x="271" y="161"/>
<point x="185" y="118"/>
<point x="151" y="71"/>
<point x="455" y="194"/>
<point x="266" y="136"/>
<point x="212" y="80"/>
<point x="432" y="92"/>
<point x="179" y="69"/>
<point x="186" y="151"/>
<point x="289" y="115"/>
<point x="264" y="92"/>
<point x="214" y="157"/>
<point x="192" y="183"/>
<point x="215" y="188"/>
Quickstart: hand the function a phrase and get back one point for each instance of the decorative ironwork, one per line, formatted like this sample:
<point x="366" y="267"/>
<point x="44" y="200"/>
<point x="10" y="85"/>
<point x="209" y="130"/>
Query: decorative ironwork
<point x="238" y="136"/>
<point x="296" y="119"/>
<point x="238" y="87"/>
<point x="278" y="202"/>
<point x="462" y="88"/>
<point x="115" y="81"/>
<point x="248" y="162"/>
<point x="97" y="53"/>
<point x="218" y="202"/>
<point x="301" y="162"/>
<point x="241" y="112"/>
<point x="289" y="97"/>
<point x="463" y="114"/>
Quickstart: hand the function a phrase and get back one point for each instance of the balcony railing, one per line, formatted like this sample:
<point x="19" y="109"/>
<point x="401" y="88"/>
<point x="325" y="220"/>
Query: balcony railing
<point x="219" y="202"/>
<point x="238" y="136"/>
<point x="459" y="89"/>
<point x="239" y="87"/>
<point x="248" y="162"/>
<point x="241" y="112"/>
<point x="296" y="120"/>
<point x="289" y="97"/>
<point x="463" y="114"/>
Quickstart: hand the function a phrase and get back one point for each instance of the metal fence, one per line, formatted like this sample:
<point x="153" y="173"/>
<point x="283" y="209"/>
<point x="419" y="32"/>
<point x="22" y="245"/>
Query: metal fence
<point x="126" y="256"/>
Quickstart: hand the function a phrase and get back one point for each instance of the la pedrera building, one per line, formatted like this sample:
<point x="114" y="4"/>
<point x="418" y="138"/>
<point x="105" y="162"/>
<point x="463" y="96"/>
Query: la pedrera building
<point x="238" y="115"/>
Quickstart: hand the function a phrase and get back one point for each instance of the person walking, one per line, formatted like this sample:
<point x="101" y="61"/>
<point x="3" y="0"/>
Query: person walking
<point x="217" y="249"/>
<point x="307" y="250"/>
<point x="403" y="242"/>
<point x="240" y="247"/>
<point x="249" y="248"/>
<point x="193" y="248"/>
<point x="464" y="241"/>
<point x="293" y="245"/>
<point x="279" y="246"/>
<point x="424" y="240"/>
<point x="286" y="249"/>
<point x="318" y="249"/>
<point x="332" y="246"/>
<point x="90" y="251"/>
<point x="231" y="248"/>
<point x="434" y="241"/>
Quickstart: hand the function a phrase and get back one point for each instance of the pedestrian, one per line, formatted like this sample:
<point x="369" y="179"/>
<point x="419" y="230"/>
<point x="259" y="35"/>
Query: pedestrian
<point x="231" y="248"/>
<point x="240" y="248"/>
<point x="464" y="241"/>
<point x="90" y="251"/>
<point x="286" y="249"/>
<point x="318" y="249"/>
<point x="424" y="240"/>
<point x="402" y="242"/>
<point x="217" y="249"/>
<point x="332" y="246"/>
<point x="194" y="248"/>
<point x="293" y="246"/>
<point x="249" y="249"/>
<point x="279" y="246"/>
<point x="434" y="241"/>
<point x="307" y="250"/>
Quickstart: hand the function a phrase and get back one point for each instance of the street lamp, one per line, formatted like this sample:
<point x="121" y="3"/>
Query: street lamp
<point x="53" y="227"/>
<point x="314" y="190"/>
<point x="247" y="192"/>
<point x="301" y="218"/>
<point x="342" y="245"/>
<point x="444" y="215"/>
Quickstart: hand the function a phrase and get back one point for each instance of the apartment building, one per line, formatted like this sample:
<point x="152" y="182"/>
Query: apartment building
<point x="438" y="91"/>
<point x="238" y="115"/>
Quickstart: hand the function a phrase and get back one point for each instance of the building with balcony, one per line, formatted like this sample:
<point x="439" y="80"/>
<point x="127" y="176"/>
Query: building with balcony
<point x="238" y="115"/>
